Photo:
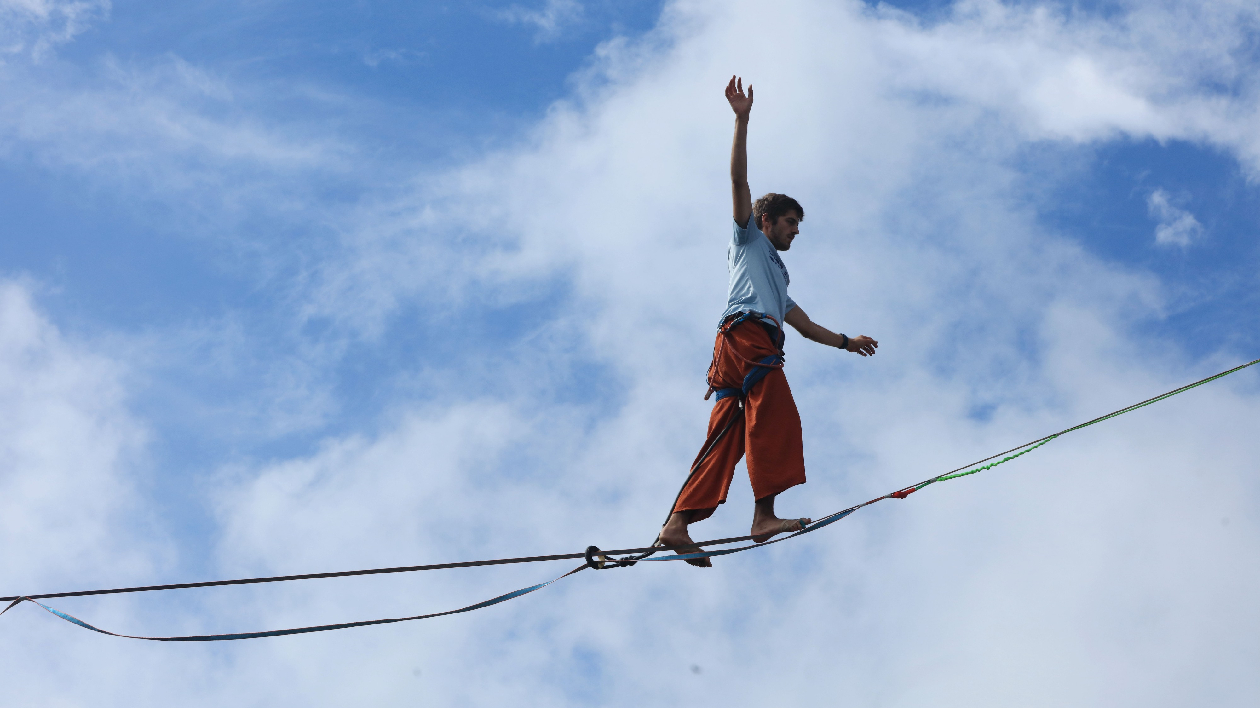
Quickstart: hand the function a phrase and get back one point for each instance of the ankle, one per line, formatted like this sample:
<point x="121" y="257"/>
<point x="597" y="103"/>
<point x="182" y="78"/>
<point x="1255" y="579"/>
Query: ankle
<point x="679" y="520"/>
<point x="764" y="508"/>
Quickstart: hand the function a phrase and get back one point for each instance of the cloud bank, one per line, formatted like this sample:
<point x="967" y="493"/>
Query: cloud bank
<point x="1100" y="570"/>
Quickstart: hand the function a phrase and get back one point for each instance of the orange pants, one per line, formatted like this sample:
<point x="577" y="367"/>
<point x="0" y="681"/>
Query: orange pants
<point x="768" y="430"/>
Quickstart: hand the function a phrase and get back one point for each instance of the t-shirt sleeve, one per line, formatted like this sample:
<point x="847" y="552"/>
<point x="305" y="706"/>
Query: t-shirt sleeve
<point x="744" y="234"/>
<point x="790" y="304"/>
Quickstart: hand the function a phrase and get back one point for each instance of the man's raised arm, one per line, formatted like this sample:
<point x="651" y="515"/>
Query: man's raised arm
<point x="741" y="195"/>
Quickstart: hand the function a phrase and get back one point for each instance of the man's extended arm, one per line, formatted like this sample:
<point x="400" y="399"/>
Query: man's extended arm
<point x="801" y="322"/>
<point x="741" y="195"/>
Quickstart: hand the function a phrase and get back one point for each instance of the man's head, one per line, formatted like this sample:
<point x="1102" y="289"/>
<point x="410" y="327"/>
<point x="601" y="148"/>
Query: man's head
<point x="778" y="216"/>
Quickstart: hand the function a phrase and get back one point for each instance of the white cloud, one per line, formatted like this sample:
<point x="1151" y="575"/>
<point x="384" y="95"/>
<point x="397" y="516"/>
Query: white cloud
<point x="1159" y="70"/>
<point x="549" y="20"/>
<point x="33" y="28"/>
<point x="1177" y="227"/>
<point x="376" y="57"/>
<point x="169" y="131"/>
<point x="995" y="76"/>
<point x="72" y="512"/>
<point x="915" y="236"/>
<point x="69" y="448"/>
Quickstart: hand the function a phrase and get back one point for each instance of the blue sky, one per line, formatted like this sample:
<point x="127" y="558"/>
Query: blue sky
<point x="408" y="89"/>
<point x="292" y="287"/>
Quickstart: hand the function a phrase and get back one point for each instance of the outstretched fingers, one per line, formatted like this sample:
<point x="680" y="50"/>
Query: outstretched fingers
<point x="740" y="102"/>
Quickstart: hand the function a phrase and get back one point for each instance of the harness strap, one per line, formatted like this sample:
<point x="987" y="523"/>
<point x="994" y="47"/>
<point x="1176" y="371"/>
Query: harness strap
<point x="758" y="373"/>
<point x="760" y="368"/>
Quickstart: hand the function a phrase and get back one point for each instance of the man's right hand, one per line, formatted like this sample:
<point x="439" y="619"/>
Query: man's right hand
<point x="740" y="103"/>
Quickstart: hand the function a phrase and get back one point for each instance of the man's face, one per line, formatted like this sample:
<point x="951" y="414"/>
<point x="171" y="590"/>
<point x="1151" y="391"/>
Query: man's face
<point x="782" y="231"/>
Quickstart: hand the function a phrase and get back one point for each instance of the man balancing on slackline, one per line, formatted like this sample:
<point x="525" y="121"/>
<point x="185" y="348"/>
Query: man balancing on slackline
<point x="748" y="362"/>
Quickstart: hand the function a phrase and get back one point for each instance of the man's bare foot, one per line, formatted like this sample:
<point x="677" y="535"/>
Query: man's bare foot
<point x="675" y="534"/>
<point x="765" y="529"/>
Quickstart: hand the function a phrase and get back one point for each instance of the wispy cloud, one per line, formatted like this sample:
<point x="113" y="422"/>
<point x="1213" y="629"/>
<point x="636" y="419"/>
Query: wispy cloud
<point x="1176" y="227"/>
<point x="548" y="21"/>
<point x="33" y="28"/>
<point x="164" y="128"/>
<point x="376" y="57"/>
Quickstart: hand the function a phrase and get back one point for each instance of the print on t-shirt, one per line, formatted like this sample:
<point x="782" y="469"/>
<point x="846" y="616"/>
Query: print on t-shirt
<point x="787" y="279"/>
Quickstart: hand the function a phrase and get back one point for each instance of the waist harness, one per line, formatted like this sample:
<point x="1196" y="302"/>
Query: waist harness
<point x="760" y="367"/>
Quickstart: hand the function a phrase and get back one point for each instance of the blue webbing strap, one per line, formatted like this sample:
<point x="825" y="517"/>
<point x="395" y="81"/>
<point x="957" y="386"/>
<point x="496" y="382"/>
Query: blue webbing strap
<point x="757" y="374"/>
<point x="299" y="630"/>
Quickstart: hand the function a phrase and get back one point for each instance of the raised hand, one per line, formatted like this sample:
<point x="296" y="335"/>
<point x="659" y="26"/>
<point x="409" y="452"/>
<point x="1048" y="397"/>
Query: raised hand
<point x="740" y="103"/>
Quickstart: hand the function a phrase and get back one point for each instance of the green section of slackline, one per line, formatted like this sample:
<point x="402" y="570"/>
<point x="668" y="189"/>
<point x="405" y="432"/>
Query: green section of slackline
<point x="1029" y="447"/>
<point x="991" y="465"/>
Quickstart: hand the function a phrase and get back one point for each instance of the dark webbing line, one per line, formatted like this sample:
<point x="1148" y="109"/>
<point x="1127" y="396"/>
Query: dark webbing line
<point x="371" y="571"/>
<point x="304" y="576"/>
<point x="350" y="573"/>
<point x="624" y="551"/>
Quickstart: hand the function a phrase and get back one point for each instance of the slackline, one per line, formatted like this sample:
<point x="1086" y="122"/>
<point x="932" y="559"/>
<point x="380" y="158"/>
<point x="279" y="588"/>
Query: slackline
<point x="593" y="557"/>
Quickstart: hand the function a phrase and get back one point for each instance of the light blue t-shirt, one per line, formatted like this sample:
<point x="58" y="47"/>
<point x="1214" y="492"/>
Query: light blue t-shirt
<point x="759" y="280"/>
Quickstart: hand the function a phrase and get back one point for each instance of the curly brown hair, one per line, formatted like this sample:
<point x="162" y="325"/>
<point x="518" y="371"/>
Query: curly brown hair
<point x="774" y="206"/>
